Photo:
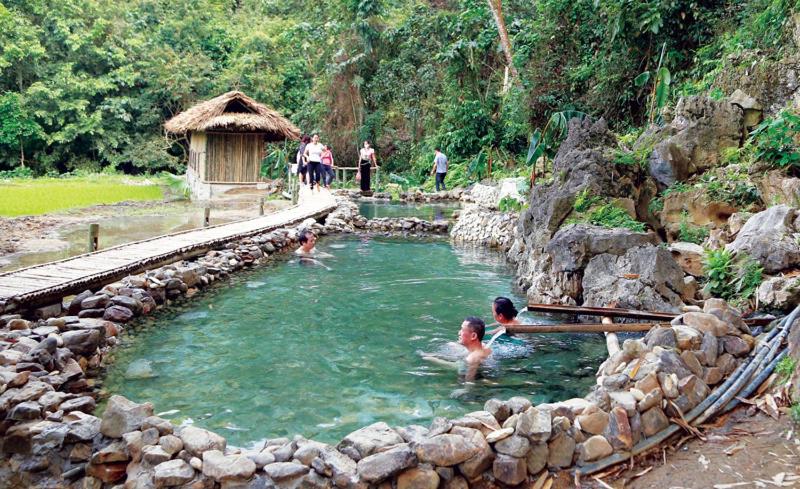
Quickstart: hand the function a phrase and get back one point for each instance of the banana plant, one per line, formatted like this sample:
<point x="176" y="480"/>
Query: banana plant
<point x="660" y="91"/>
<point x="546" y="141"/>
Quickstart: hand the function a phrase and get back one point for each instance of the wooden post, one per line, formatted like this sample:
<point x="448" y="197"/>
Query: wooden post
<point x="261" y="206"/>
<point x="295" y="191"/>
<point x="94" y="235"/>
<point x="206" y="216"/>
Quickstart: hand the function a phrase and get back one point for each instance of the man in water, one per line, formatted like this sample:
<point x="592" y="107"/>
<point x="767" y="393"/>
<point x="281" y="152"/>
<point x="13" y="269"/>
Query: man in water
<point x="470" y="336"/>
<point x="307" y="242"/>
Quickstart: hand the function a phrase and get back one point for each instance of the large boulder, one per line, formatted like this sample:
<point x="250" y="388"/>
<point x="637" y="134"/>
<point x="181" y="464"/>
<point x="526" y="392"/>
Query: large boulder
<point x="573" y="246"/>
<point x="776" y="187"/>
<point x="693" y="141"/>
<point x="645" y="277"/>
<point x="779" y="293"/>
<point x="771" y="238"/>
<point x="581" y="165"/>
<point x="366" y="441"/>
<point x="122" y="415"/>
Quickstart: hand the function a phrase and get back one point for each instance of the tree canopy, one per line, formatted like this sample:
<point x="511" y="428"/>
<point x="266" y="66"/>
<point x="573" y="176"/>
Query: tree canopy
<point x="87" y="84"/>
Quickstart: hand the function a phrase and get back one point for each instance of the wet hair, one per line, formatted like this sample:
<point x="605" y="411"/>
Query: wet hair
<point x="477" y="326"/>
<point x="504" y="306"/>
<point x="305" y="235"/>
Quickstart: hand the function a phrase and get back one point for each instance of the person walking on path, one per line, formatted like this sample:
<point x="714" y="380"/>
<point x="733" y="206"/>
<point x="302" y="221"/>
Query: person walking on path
<point x="366" y="158"/>
<point x="313" y="155"/>
<point x="302" y="169"/>
<point x="327" y="167"/>
<point x="440" y="169"/>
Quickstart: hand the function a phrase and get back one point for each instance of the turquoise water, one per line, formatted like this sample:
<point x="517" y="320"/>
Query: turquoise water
<point x="427" y="211"/>
<point x="297" y="348"/>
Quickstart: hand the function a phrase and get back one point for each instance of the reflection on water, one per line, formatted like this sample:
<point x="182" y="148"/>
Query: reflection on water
<point x="113" y="232"/>
<point x="427" y="211"/>
<point x="292" y="349"/>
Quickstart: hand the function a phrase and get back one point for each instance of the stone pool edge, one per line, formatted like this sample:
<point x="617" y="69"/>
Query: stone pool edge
<point x="50" y="435"/>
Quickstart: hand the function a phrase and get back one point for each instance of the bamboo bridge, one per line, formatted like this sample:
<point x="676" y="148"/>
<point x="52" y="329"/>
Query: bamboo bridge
<point x="46" y="284"/>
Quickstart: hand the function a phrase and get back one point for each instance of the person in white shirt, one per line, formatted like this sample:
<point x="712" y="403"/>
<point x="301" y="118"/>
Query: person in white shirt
<point x="366" y="158"/>
<point x="313" y="156"/>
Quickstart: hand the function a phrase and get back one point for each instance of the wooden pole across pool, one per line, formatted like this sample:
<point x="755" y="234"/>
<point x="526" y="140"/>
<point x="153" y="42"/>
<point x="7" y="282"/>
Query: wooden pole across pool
<point x="584" y="328"/>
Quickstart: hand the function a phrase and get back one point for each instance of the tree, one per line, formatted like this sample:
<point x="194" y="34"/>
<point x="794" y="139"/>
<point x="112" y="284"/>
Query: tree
<point x="496" y="6"/>
<point x="16" y="126"/>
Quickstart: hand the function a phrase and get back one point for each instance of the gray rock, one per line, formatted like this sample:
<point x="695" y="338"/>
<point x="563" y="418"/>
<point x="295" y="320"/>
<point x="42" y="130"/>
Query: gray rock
<point x="118" y="314"/>
<point x="83" y="403"/>
<point x="573" y="246"/>
<point x="516" y="446"/>
<point x="279" y="471"/>
<point x="657" y="287"/>
<point x="82" y="427"/>
<point x="509" y="470"/>
<point x="446" y="450"/>
<point x="98" y="301"/>
<point x="25" y="411"/>
<point x="370" y="438"/>
<point x="413" y="433"/>
<point x="172" y="473"/>
<point x="482" y="460"/>
<point x="171" y="444"/>
<point x="594" y="448"/>
<point x="114" y="452"/>
<point x="223" y="467"/>
<point x="82" y="341"/>
<point x="693" y="141"/>
<point x="499" y="409"/>
<point x="560" y="451"/>
<point x="122" y="416"/>
<point x="197" y="440"/>
<point x="735" y="346"/>
<point x="768" y="237"/>
<point x="518" y="404"/>
<point x="653" y="421"/>
<point x="534" y="424"/>
<point x="381" y="465"/>
<point x="782" y="293"/>
<point x="154" y="455"/>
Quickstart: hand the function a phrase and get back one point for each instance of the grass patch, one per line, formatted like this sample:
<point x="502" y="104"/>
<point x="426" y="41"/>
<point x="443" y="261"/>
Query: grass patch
<point x="25" y="197"/>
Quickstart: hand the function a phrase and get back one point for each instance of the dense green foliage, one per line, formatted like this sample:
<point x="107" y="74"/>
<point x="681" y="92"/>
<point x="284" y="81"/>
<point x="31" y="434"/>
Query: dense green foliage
<point x="87" y="84"/>
<point x="690" y="233"/>
<point x="731" y="278"/>
<point x="611" y="216"/>
<point x="776" y="140"/>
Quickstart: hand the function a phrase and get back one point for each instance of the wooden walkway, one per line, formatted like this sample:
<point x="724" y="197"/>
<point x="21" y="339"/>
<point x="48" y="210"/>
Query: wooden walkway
<point x="48" y="283"/>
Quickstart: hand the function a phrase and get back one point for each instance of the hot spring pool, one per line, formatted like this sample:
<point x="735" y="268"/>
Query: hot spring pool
<point x="295" y="348"/>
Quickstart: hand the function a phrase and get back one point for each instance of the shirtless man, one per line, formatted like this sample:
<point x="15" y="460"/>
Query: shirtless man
<point x="470" y="335"/>
<point x="307" y="241"/>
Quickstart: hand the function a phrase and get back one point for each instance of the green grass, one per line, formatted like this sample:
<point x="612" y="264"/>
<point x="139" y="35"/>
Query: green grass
<point x="26" y="197"/>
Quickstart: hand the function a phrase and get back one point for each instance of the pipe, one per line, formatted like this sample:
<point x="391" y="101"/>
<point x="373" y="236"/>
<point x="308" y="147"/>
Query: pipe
<point x="760" y="378"/>
<point x="582" y="327"/>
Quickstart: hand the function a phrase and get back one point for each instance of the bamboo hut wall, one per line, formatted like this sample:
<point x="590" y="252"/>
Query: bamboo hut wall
<point x="197" y="154"/>
<point x="234" y="157"/>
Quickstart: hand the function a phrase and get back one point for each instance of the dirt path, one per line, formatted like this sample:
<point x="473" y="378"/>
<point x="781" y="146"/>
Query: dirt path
<point x="740" y="451"/>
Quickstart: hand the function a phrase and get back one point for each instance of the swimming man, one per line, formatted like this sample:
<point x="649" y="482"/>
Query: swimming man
<point x="471" y="336"/>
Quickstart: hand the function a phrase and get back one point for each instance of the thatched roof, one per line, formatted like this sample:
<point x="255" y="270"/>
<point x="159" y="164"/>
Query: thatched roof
<point x="233" y="112"/>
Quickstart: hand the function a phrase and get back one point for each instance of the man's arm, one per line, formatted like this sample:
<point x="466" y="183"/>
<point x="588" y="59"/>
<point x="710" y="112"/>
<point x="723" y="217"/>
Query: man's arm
<point x="439" y="361"/>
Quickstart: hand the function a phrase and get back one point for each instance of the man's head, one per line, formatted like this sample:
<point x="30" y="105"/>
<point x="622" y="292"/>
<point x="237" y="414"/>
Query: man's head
<point x="503" y="309"/>
<point x="437" y="150"/>
<point x="307" y="239"/>
<point x="472" y="331"/>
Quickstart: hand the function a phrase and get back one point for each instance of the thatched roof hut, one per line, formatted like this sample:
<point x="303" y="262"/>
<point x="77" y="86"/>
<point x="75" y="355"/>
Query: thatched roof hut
<point x="227" y="138"/>
<point x="233" y="112"/>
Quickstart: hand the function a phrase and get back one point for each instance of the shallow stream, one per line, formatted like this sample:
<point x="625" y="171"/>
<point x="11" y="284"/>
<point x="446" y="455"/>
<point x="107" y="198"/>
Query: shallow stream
<point x="323" y="349"/>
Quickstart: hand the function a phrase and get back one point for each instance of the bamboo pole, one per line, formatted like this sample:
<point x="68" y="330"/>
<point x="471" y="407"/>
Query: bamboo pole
<point x="583" y="328"/>
<point x="615" y="312"/>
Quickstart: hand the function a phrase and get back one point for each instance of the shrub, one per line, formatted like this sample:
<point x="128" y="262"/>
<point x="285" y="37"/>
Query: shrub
<point x="18" y="172"/>
<point x="718" y="268"/>
<point x="510" y="204"/>
<point x="656" y="205"/>
<point x="583" y="201"/>
<point x="776" y="140"/>
<point x="785" y="368"/>
<point x="689" y="233"/>
<point x="611" y="216"/>
<point x="732" y="280"/>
